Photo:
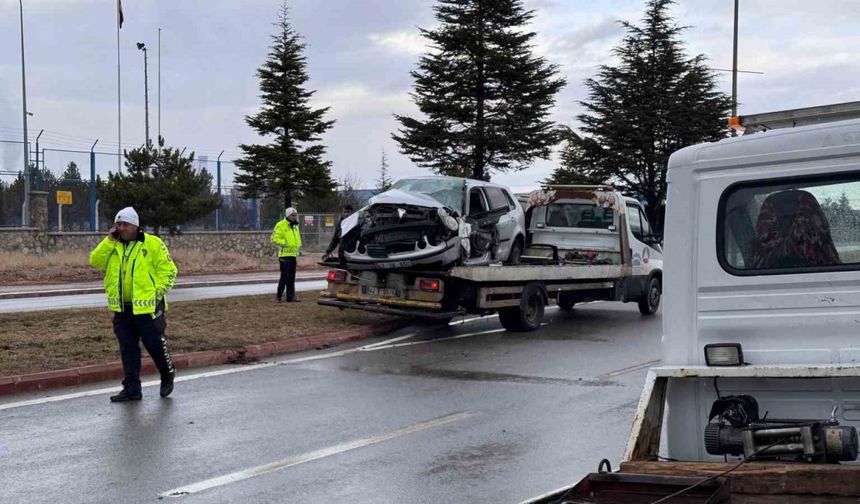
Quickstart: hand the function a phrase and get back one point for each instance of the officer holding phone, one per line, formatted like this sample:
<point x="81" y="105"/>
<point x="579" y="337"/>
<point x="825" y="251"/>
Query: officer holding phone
<point x="138" y="273"/>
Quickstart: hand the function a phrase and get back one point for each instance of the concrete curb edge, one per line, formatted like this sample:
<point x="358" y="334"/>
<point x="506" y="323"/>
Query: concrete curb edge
<point x="83" y="375"/>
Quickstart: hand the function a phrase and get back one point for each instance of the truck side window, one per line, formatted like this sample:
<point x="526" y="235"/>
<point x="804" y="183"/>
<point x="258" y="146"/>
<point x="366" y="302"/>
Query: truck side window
<point x="809" y="224"/>
<point x="634" y="218"/>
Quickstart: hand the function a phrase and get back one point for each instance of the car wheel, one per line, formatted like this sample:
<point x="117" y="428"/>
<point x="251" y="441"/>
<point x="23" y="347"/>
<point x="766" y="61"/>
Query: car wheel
<point x="516" y="252"/>
<point x="650" y="301"/>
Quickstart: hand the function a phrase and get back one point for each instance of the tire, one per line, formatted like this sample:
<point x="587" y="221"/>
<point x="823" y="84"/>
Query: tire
<point x="565" y="302"/>
<point x="529" y="315"/>
<point x="515" y="253"/>
<point x="649" y="303"/>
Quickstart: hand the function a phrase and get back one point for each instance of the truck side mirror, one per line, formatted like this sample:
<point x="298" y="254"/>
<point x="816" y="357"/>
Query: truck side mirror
<point x="654" y="239"/>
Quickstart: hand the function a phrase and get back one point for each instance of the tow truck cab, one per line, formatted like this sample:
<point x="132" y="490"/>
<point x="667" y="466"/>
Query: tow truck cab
<point x="758" y="390"/>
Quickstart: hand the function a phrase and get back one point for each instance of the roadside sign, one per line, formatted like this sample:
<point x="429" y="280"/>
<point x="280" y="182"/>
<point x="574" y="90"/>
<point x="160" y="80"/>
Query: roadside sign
<point x="309" y="220"/>
<point x="64" y="197"/>
<point x="329" y="221"/>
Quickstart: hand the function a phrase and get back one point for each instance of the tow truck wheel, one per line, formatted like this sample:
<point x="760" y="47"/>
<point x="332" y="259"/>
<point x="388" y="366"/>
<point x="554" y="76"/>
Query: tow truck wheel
<point x="565" y="302"/>
<point x="650" y="302"/>
<point x="529" y="315"/>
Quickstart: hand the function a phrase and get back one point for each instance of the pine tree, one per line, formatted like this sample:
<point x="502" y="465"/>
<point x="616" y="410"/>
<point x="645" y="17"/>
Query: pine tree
<point x="384" y="183"/>
<point x="654" y="102"/>
<point x="578" y="165"/>
<point x="484" y="95"/>
<point x="162" y="185"/>
<point x="291" y="165"/>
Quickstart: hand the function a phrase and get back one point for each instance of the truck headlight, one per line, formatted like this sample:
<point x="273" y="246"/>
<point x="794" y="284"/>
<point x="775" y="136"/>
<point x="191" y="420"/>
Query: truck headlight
<point x="724" y="354"/>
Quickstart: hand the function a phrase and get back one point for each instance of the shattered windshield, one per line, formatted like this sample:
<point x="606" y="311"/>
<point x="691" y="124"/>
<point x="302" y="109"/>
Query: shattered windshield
<point x="449" y="192"/>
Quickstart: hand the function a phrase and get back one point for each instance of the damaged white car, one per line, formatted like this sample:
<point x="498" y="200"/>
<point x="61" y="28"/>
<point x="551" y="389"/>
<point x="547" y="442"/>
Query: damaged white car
<point x="436" y="222"/>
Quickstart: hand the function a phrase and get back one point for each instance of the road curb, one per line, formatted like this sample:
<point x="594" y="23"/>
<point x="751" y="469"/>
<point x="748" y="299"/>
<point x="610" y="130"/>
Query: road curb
<point x="83" y="375"/>
<point x="185" y="285"/>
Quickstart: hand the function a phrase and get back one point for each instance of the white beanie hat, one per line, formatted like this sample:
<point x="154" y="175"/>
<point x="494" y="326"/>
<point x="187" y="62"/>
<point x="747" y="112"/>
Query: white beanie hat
<point x="290" y="211"/>
<point x="128" y="215"/>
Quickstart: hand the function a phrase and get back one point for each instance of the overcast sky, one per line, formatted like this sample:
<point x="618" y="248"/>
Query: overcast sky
<point x="359" y="56"/>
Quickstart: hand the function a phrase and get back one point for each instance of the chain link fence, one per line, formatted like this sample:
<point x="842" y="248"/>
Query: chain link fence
<point x="67" y="176"/>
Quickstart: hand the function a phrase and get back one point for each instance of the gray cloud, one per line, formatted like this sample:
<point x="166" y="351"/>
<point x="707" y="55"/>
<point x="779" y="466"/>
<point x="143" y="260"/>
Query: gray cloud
<point x="359" y="56"/>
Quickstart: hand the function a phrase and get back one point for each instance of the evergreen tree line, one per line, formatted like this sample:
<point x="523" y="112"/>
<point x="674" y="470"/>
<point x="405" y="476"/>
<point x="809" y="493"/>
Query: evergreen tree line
<point x="485" y="100"/>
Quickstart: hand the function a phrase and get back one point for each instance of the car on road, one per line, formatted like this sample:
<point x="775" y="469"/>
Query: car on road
<point x="436" y="222"/>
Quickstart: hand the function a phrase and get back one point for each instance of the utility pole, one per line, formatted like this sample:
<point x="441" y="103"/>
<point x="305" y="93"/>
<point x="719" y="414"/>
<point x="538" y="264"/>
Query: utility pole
<point x="25" y="218"/>
<point x="735" y="68"/>
<point x="141" y="46"/>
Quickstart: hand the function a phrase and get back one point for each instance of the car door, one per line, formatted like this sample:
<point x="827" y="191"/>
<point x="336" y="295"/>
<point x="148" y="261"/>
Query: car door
<point x="507" y="222"/>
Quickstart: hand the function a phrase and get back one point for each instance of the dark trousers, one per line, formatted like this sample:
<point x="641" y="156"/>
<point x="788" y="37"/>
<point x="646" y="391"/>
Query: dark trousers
<point x="130" y="330"/>
<point x="288" y="278"/>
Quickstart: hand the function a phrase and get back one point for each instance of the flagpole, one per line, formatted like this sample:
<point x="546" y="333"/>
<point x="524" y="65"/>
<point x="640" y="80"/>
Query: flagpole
<point x="159" y="86"/>
<point x="118" y="91"/>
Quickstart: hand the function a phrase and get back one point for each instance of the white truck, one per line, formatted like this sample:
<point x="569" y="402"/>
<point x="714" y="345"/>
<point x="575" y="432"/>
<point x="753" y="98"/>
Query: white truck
<point x="757" y="398"/>
<point x="599" y="247"/>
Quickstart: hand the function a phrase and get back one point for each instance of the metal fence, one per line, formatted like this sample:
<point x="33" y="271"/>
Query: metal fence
<point x="72" y="171"/>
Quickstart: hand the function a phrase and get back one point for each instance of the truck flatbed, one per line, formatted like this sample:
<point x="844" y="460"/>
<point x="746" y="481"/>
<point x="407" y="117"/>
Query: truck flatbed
<point x="538" y="273"/>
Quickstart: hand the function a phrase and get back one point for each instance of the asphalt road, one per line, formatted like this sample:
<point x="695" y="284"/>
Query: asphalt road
<point x="460" y="414"/>
<point x="185" y="294"/>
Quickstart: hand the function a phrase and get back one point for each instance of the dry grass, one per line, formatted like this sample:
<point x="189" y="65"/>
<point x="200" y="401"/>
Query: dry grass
<point x="50" y="340"/>
<point x="17" y="268"/>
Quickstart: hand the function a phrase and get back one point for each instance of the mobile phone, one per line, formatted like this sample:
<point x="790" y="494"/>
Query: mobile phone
<point x="114" y="233"/>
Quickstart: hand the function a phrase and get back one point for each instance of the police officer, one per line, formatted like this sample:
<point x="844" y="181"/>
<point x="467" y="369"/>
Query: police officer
<point x="138" y="274"/>
<point x="287" y="237"/>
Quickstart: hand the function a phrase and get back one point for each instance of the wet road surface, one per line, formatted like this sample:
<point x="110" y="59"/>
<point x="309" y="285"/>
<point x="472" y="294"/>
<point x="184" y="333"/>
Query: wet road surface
<point x="463" y="413"/>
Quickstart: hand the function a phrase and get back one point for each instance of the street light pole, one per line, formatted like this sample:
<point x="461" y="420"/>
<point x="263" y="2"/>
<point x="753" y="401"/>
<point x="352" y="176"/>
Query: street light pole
<point x="25" y="218"/>
<point x="142" y="47"/>
<point x="735" y="68"/>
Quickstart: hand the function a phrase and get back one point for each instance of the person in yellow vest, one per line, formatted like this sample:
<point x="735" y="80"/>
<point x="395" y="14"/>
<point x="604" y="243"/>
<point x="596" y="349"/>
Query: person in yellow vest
<point x="138" y="273"/>
<point x="287" y="237"/>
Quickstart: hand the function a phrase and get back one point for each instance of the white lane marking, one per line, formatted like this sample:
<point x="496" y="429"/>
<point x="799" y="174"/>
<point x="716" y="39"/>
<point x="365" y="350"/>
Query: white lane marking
<point x="381" y="345"/>
<point x="312" y="456"/>
<point x="183" y="378"/>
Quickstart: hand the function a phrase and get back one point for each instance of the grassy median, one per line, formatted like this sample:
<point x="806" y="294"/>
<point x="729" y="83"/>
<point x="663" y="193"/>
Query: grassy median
<point x="43" y="341"/>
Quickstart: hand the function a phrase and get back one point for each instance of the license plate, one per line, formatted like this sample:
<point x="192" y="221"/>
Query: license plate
<point x="394" y="264"/>
<point x="390" y="292"/>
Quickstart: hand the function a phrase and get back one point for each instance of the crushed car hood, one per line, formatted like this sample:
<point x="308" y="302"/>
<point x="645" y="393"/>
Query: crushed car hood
<point x="390" y="197"/>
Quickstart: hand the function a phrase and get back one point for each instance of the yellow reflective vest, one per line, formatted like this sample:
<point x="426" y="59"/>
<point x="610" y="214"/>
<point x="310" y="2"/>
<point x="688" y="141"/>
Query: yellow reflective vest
<point x="148" y="268"/>
<point x="287" y="238"/>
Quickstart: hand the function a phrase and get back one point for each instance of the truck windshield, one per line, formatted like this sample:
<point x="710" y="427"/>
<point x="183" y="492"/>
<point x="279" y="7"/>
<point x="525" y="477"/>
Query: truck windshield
<point x="449" y="192"/>
<point x="579" y="215"/>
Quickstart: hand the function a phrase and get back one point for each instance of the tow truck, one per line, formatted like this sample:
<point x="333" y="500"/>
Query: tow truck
<point x="618" y="262"/>
<point x="757" y="398"/>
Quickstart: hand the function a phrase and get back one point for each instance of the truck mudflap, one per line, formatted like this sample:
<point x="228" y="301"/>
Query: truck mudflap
<point x="391" y="310"/>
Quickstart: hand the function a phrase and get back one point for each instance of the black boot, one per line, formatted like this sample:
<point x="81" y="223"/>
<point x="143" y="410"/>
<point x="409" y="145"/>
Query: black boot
<point x="126" y="395"/>
<point x="167" y="385"/>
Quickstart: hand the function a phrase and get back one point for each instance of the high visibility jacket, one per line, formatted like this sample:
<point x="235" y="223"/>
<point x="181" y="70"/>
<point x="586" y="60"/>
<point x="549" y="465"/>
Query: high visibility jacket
<point x="288" y="239"/>
<point x="148" y="269"/>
